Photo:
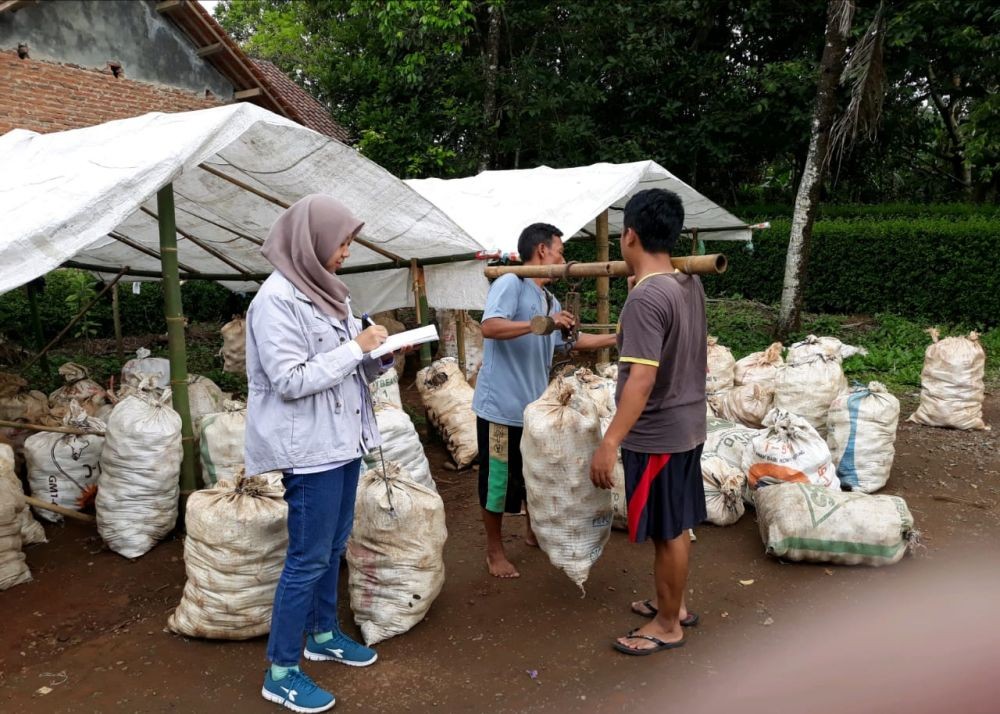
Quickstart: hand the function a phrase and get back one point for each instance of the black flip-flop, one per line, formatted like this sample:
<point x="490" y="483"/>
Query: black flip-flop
<point x="660" y="645"/>
<point x="690" y="621"/>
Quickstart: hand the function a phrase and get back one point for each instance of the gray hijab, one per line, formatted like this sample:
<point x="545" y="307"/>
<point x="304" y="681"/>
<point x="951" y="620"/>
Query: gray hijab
<point x="303" y="240"/>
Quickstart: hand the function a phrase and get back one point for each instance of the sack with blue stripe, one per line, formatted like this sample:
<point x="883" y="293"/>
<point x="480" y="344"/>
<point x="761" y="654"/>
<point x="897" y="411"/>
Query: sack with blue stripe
<point x="862" y="436"/>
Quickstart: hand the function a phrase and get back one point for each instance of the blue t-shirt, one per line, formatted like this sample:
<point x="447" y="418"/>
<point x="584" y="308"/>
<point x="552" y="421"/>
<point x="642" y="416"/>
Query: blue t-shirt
<point x="515" y="372"/>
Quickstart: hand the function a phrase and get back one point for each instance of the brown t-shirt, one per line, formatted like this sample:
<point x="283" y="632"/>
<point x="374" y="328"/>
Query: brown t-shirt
<point x="663" y="324"/>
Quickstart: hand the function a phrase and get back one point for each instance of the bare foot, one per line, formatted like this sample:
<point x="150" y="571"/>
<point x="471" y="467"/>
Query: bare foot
<point x="653" y="629"/>
<point x="500" y="567"/>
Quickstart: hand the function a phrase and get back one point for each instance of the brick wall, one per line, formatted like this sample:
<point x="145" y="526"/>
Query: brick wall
<point x="44" y="96"/>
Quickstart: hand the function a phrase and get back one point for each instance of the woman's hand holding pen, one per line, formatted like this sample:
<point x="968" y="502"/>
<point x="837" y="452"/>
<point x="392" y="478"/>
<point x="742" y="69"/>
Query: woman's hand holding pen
<point x="371" y="338"/>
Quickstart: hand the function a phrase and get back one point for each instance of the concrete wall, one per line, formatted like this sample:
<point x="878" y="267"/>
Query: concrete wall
<point x="90" y="33"/>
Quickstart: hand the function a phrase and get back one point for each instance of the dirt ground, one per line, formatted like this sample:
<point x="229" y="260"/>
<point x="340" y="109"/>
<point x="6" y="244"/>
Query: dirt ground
<point x="91" y="626"/>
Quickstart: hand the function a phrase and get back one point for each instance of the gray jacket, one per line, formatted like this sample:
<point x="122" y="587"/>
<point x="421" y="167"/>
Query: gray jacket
<point x="305" y="398"/>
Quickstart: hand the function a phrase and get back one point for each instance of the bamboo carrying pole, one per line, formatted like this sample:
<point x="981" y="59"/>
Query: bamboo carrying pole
<point x="62" y="511"/>
<point x="712" y="264"/>
<point x="116" y="316"/>
<point x="173" y="311"/>
<point x="40" y="427"/>
<point x="603" y="282"/>
<point x="460" y="338"/>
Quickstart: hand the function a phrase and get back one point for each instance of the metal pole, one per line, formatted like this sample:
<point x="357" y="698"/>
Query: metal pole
<point x="603" y="282"/>
<point x="36" y="321"/>
<point x="174" y="313"/>
<point x="116" y="316"/>
<point x="423" y="311"/>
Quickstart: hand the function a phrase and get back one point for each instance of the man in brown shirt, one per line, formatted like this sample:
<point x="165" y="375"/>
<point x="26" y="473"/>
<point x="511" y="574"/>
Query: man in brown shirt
<point x="660" y="422"/>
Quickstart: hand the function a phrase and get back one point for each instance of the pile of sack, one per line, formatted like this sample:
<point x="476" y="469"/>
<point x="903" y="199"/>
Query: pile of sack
<point x="447" y="397"/>
<point x="951" y="384"/>
<point x="234" y="552"/>
<point x="569" y="515"/>
<point x="741" y="391"/>
<point x="395" y="553"/>
<point x="811" y="378"/>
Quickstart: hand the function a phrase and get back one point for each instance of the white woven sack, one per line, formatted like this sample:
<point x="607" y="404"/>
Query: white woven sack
<point x="747" y="404"/>
<point x="804" y="522"/>
<point x="760" y="367"/>
<point x="807" y="388"/>
<point x="401" y="445"/>
<point x="31" y="530"/>
<point x="600" y="390"/>
<point x="951" y="384"/>
<point x="447" y="397"/>
<point x="789" y="450"/>
<point x="140" y="473"/>
<point x="28" y="406"/>
<point x="78" y="388"/>
<point x="13" y="568"/>
<point x="570" y="516"/>
<point x="608" y="370"/>
<point x="222" y="438"/>
<point x="385" y="389"/>
<point x="723" y="491"/>
<point x="728" y="441"/>
<point x="828" y="346"/>
<point x="204" y="397"/>
<point x="395" y="554"/>
<point x="155" y="369"/>
<point x="234" y="551"/>
<point x="862" y="436"/>
<point x="721" y="367"/>
<point x="62" y="468"/>
<point x="448" y="346"/>
<point x="234" y="346"/>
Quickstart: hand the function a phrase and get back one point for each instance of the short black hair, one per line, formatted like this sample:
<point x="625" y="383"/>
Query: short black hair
<point x="657" y="216"/>
<point x="533" y="236"/>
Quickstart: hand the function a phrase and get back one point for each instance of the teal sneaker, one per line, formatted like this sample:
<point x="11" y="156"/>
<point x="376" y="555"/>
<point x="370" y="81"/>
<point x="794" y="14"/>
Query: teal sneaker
<point x="340" y="649"/>
<point x="297" y="692"/>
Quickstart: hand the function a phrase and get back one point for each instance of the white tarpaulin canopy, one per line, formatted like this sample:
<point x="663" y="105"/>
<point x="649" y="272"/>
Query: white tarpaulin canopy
<point x="495" y="206"/>
<point x="89" y="196"/>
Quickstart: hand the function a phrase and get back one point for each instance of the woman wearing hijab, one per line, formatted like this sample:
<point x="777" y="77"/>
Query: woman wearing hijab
<point x="309" y="415"/>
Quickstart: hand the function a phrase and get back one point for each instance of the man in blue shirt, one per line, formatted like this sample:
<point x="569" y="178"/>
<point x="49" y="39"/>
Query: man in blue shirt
<point x="515" y="372"/>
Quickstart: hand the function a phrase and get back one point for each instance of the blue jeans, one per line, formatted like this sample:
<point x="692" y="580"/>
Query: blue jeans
<point x="320" y="516"/>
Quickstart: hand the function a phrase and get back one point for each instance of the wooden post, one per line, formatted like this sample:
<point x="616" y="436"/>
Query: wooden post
<point x="604" y="282"/>
<point x="423" y="311"/>
<point x="460" y="318"/>
<point x="174" y="313"/>
<point x="36" y="321"/>
<point x="116" y="316"/>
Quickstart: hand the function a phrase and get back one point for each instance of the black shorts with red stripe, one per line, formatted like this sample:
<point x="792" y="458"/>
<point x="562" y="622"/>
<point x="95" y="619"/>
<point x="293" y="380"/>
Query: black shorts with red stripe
<point x="665" y="493"/>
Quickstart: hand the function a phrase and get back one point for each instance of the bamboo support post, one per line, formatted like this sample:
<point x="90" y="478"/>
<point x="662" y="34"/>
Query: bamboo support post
<point x="423" y="311"/>
<point x="603" y="282"/>
<point x="712" y="264"/>
<point x="460" y="318"/>
<point x="79" y="316"/>
<point x="36" y="321"/>
<point x="41" y="427"/>
<point x="61" y="510"/>
<point x="173" y="311"/>
<point x="116" y="317"/>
